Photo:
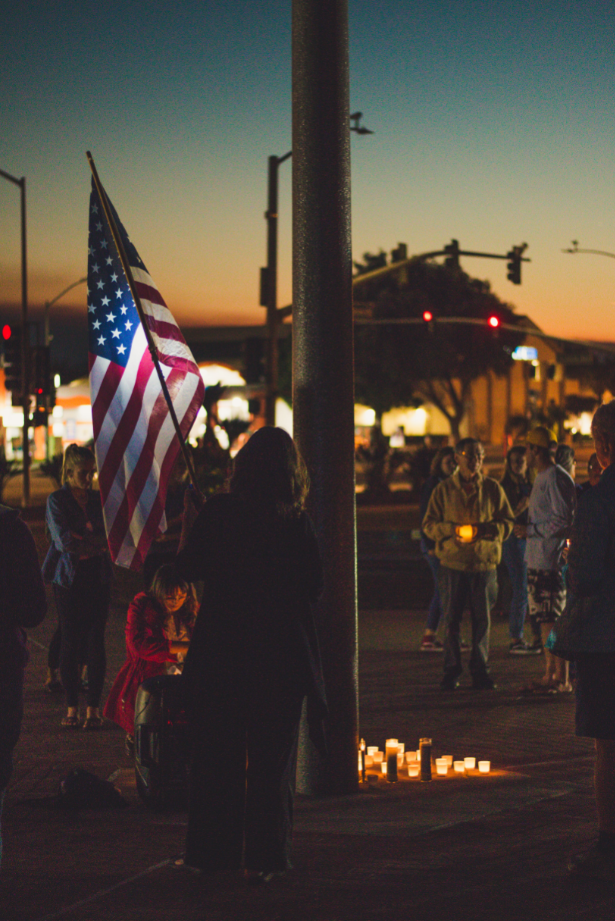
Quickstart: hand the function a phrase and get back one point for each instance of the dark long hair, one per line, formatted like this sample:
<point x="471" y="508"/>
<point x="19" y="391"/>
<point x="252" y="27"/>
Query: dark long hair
<point x="269" y="472"/>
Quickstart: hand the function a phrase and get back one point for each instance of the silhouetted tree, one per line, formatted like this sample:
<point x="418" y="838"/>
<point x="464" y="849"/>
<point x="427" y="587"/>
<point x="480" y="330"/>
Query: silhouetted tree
<point x="436" y="362"/>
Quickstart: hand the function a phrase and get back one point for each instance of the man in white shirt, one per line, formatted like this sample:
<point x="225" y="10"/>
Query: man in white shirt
<point x="551" y="513"/>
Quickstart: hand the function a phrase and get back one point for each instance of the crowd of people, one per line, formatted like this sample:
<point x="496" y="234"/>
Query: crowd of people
<point x="249" y="657"/>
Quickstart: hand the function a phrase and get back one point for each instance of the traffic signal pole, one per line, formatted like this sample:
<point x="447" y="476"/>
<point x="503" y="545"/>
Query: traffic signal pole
<point x="25" y="351"/>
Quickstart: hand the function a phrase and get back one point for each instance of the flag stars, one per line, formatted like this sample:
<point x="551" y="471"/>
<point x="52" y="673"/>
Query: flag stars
<point x="101" y="340"/>
<point x="104" y="244"/>
<point x="114" y="278"/>
<point x="123" y="310"/>
<point x="109" y="260"/>
<point x="100" y="285"/>
<point x="121" y="349"/>
<point x="115" y="333"/>
<point x="94" y="209"/>
<point x="110" y="317"/>
<point x="128" y="325"/>
<point x="99" y="226"/>
<point x="92" y="308"/>
<point x="96" y="324"/>
<point x="105" y="302"/>
<point x="96" y="267"/>
<point x="118" y="293"/>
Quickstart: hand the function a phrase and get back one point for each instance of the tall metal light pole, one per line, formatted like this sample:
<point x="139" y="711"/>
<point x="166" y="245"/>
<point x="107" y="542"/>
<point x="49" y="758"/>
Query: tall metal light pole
<point x="25" y="344"/>
<point x="323" y="388"/>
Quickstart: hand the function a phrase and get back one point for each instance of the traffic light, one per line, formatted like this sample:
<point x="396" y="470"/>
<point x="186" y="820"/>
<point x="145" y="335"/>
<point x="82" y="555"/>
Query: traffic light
<point x="452" y="255"/>
<point x="12" y="358"/>
<point x="493" y="322"/>
<point x="41" y="372"/>
<point x="514" y="265"/>
<point x="428" y="319"/>
<point x="254" y="366"/>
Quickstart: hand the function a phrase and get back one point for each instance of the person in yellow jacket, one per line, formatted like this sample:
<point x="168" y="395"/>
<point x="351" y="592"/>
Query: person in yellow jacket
<point x="468" y="517"/>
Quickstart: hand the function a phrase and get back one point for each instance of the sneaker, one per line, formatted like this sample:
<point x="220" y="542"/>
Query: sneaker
<point x="521" y="648"/>
<point x="430" y="644"/>
<point x="594" y="863"/>
<point x="483" y="683"/>
<point x="537" y="646"/>
<point x="449" y="682"/>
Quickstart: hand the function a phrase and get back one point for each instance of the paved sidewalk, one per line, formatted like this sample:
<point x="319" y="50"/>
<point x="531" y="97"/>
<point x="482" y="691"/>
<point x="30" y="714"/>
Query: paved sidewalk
<point x="457" y="849"/>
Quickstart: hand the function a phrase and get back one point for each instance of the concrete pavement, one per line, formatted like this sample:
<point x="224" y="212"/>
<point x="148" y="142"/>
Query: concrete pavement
<point x="455" y="849"/>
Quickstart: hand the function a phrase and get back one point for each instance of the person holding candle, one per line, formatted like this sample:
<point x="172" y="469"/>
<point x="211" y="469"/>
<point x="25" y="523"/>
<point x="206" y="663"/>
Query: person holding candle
<point x="468" y="517"/>
<point x="253" y="659"/>
<point x="158" y="630"/>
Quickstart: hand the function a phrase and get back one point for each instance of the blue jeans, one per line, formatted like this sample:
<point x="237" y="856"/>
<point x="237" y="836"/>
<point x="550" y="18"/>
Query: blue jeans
<point x="513" y="557"/>
<point x="435" y="606"/>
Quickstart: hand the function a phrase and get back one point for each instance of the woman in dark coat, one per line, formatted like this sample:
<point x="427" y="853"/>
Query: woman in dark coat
<point x="252" y="660"/>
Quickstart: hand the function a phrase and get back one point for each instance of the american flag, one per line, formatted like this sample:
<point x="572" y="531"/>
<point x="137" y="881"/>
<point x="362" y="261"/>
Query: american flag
<point x="135" y="440"/>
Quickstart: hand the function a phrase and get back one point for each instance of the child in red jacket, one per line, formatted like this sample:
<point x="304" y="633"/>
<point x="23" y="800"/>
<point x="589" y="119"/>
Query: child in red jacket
<point x="158" y="631"/>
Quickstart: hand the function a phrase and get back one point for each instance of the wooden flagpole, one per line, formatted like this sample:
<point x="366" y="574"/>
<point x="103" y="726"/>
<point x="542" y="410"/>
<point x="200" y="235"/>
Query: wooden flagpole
<point x="148" y="335"/>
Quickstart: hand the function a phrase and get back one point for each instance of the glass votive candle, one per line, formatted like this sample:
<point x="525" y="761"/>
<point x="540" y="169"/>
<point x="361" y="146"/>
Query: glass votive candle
<point x="391" y="747"/>
<point x="378" y="757"/>
<point x="401" y="748"/>
<point x="410" y="756"/>
<point x="448" y="759"/>
<point x="459" y="767"/>
<point x="413" y="769"/>
<point x="369" y="761"/>
<point x="470" y="763"/>
<point x="484" y="767"/>
<point x="418" y="754"/>
<point x="383" y="767"/>
<point x="400" y="759"/>
<point x="371" y="749"/>
<point x="441" y="767"/>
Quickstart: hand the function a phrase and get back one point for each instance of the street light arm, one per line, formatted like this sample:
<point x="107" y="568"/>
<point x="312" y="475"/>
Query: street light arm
<point x="66" y="290"/>
<point x="19" y="182"/>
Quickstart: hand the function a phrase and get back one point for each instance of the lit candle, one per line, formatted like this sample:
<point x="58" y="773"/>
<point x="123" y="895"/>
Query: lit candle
<point x="459" y="766"/>
<point x="413" y="769"/>
<point x="400" y="759"/>
<point x="371" y="749"/>
<point x="369" y="761"/>
<point x="448" y="759"/>
<point x="470" y="763"/>
<point x="466" y="532"/>
<point x="383" y="767"/>
<point x="391" y="747"/>
<point x="410" y="756"/>
<point x="441" y="766"/>
<point x="484" y="767"/>
<point x="378" y="757"/>
<point x="401" y="748"/>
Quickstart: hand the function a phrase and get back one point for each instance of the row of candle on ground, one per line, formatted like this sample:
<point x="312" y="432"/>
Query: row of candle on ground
<point x="418" y="762"/>
<point x="444" y="765"/>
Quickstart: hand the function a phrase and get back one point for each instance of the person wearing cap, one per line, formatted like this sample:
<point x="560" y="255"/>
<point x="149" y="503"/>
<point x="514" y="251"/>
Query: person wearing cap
<point x="550" y="516"/>
<point x="468" y="517"/>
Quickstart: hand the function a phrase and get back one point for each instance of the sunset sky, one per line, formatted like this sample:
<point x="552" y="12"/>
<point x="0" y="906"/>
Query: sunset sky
<point x="494" y="123"/>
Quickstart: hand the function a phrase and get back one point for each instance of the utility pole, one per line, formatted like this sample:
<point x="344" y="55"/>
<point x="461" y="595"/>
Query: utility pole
<point x="25" y="341"/>
<point x="323" y="386"/>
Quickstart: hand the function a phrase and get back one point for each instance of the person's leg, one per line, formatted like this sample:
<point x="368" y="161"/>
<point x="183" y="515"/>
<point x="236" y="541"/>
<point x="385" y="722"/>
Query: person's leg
<point x="97" y="612"/>
<point x="512" y="557"/>
<point x="71" y="627"/>
<point x="453" y="587"/>
<point x="273" y="733"/>
<point x="483" y="592"/>
<point x="604" y="779"/>
<point x="435" y="606"/>
<point x="216" y="807"/>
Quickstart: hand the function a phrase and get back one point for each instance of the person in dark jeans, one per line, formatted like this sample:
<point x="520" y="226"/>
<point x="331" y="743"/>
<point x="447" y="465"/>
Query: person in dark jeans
<point x="22" y="604"/>
<point x="252" y="660"/>
<point x="79" y="569"/>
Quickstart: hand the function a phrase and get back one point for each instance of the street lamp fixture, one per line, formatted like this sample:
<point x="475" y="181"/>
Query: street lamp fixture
<point x="597" y="252"/>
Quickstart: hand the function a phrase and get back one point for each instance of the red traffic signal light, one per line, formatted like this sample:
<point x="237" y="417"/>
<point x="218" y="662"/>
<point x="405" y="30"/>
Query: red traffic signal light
<point x="6" y="332"/>
<point x="427" y="316"/>
<point x="494" y="322"/>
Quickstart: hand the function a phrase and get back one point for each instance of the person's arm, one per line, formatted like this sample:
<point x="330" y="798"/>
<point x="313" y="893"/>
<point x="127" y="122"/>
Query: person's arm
<point x="562" y="502"/>
<point x="144" y="639"/>
<point x="589" y="560"/>
<point x="24" y="603"/>
<point x="60" y="525"/>
<point x="502" y="521"/>
<point x="434" y="525"/>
